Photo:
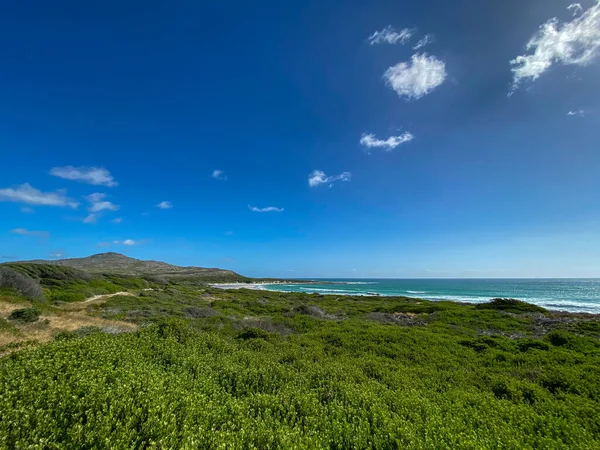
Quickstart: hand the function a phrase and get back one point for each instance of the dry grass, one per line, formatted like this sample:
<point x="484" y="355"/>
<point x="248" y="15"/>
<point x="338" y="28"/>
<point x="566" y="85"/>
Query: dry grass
<point x="69" y="318"/>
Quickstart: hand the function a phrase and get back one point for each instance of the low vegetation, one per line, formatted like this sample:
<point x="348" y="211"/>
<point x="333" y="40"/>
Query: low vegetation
<point x="253" y="369"/>
<point x="25" y="315"/>
<point x="22" y="284"/>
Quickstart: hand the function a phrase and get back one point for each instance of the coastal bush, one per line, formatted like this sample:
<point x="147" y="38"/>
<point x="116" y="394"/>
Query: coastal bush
<point x="472" y="378"/>
<point x="25" y="315"/>
<point x="510" y="305"/>
<point x="50" y="272"/>
<point x="349" y="384"/>
<point x="24" y="285"/>
<point x="558" y="338"/>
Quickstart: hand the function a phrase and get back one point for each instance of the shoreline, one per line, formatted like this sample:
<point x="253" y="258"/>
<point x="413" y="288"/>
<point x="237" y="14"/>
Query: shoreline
<point x="261" y="286"/>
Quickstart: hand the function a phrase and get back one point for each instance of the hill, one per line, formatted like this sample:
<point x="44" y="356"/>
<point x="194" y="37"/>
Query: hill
<point x="117" y="263"/>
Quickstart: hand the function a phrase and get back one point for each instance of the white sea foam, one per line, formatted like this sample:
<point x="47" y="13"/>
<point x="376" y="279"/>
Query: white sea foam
<point x="416" y="292"/>
<point x="326" y="290"/>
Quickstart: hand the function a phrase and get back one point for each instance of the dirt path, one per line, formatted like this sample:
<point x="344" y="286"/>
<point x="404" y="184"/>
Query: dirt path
<point x="93" y="300"/>
<point x="69" y="317"/>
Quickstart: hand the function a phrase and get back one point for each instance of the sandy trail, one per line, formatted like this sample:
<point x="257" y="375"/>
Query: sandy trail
<point x="69" y="317"/>
<point x="93" y="300"/>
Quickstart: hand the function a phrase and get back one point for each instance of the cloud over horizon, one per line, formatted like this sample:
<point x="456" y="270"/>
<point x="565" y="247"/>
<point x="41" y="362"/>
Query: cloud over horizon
<point x="369" y="141"/>
<point x="416" y="78"/>
<point x="126" y="242"/>
<point x="318" y="177"/>
<point x="25" y="193"/>
<point x="98" y="176"/>
<point x="567" y="43"/>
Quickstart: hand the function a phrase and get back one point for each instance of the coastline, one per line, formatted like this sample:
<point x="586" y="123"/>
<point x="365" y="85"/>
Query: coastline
<point x="253" y="286"/>
<point x="575" y="296"/>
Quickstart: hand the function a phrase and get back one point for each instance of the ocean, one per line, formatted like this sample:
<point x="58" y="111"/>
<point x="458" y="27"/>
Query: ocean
<point x="575" y="295"/>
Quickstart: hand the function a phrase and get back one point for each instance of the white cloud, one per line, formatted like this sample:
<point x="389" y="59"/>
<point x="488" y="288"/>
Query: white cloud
<point x="578" y="113"/>
<point x="27" y="210"/>
<point x="97" y="203"/>
<point x="98" y="176"/>
<point x="128" y="242"/>
<point x="424" y="41"/>
<point x="370" y="141"/>
<point x="267" y="209"/>
<point x="570" y="43"/>
<point x="117" y="220"/>
<point x="219" y="175"/>
<point x="414" y="79"/>
<point x="25" y="193"/>
<point x="318" y="177"/>
<point x="57" y="254"/>
<point x="26" y="232"/>
<point x="576" y="8"/>
<point x="92" y="218"/>
<point x="165" y="205"/>
<point x="390" y="36"/>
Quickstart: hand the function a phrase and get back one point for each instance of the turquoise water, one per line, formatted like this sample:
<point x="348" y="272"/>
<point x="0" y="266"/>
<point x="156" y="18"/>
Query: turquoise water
<point x="576" y="295"/>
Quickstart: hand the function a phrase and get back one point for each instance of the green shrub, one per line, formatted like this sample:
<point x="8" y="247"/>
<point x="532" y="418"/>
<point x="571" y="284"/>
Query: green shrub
<point x="254" y="333"/>
<point x="470" y="379"/>
<point x="510" y="305"/>
<point x="558" y="338"/>
<point x="24" y="285"/>
<point x="25" y="315"/>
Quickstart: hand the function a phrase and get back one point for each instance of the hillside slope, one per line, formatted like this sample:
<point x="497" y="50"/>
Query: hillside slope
<point x="117" y="263"/>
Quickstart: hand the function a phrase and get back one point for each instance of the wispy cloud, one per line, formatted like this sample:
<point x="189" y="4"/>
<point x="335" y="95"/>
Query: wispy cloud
<point x="267" y="209"/>
<point x="128" y="242"/>
<point x="424" y="41"/>
<point x="117" y="220"/>
<point x="219" y="175"/>
<point x="370" y="141"/>
<point x="390" y="36"/>
<point x="98" y="176"/>
<point x="578" y="113"/>
<point x="318" y="177"/>
<point x="25" y="193"/>
<point x="91" y="218"/>
<point x="26" y="232"/>
<point x="576" y="8"/>
<point x="417" y="78"/>
<point x="570" y="43"/>
<point x="98" y="203"/>
<point x="165" y="205"/>
<point x="57" y="254"/>
<point x="27" y="210"/>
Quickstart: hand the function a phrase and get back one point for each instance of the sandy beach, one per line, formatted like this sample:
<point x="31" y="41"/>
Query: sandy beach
<point x="255" y="286"/>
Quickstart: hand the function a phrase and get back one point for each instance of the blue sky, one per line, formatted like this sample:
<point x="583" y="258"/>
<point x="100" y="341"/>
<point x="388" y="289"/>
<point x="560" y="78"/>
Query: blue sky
<point x="305" y="139"/>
